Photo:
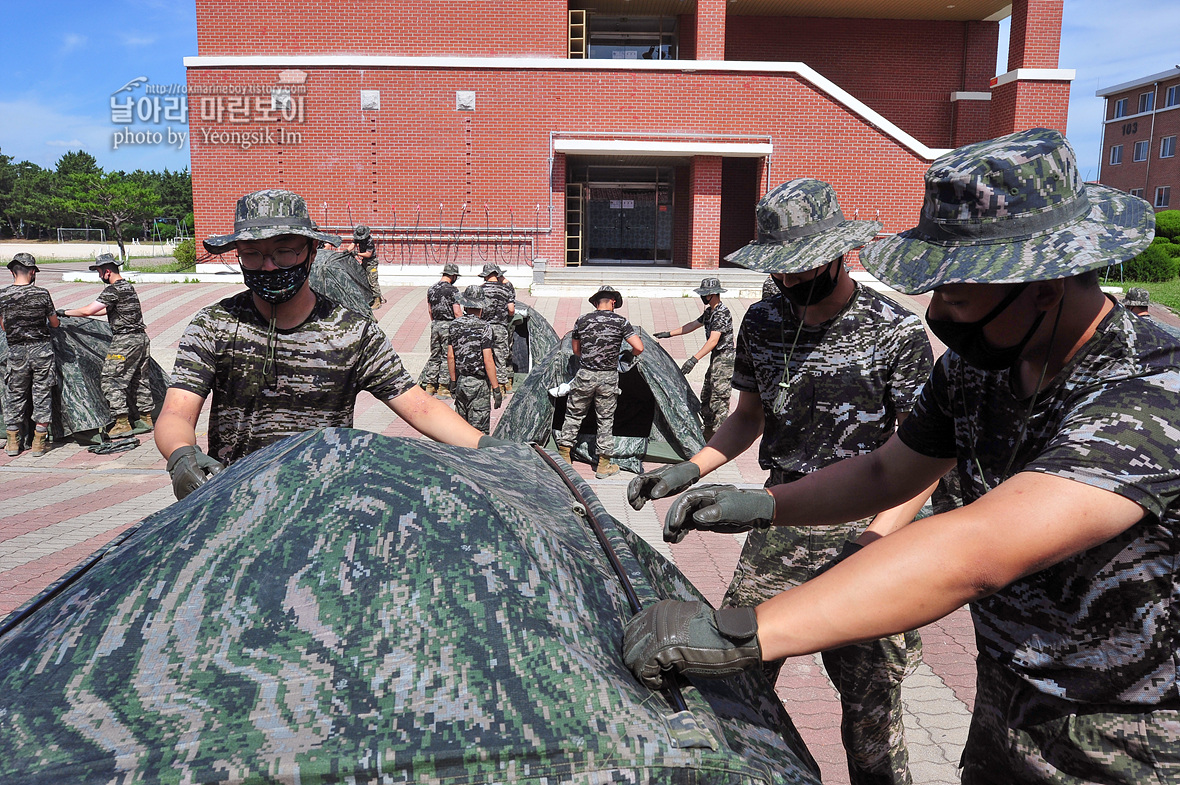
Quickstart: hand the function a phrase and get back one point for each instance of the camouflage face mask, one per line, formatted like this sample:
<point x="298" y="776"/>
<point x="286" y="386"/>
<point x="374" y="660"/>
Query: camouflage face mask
<point x="277" y="286"/>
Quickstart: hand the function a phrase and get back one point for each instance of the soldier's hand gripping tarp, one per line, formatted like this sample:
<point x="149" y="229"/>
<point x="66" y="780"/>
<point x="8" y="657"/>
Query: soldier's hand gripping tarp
<point x="347" y="607"/>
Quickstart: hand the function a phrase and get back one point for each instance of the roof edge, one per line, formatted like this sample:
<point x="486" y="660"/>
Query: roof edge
<point x="1171" y="73"/>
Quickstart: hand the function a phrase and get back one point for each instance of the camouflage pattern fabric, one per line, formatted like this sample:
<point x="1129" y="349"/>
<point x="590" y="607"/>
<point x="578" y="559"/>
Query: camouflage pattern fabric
<point x="716" y="391"/>
<point x="29" y="381"/>
<point x="601" y="335"/>
<point x="1106" y="421"/>
<point x="473" y="401"/>
<point x="369" y="265"/>
<point x="498" y="296"/>
<point x="469" y="336"/>
<point x="336" y="276"/>
<point x="600" y="388"/>
<point x="25" y="311"/>
<point x="435" y="371"/>
<point x="319" y="368"/>
<point x="718" y="319"/>
<point x="848" y="378"/>
<point x="347" y="607"/>
<point x="769" y="289"/>
<point x="533" y="338"/>
<point x="800" y="227"/>
<point x="1020" y="736"/>
<point x="1009" y="210"/>
<point x="125" y="375"/>
<point x="440" y="299"/>
<point x="501" y="350"/>
<point x="124" y="313"/>
<point x="269" y="213"/>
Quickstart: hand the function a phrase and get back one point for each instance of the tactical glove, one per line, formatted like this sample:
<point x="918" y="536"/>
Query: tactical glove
<point x="691" y="638"/>
<point x="689" y="364"/>
<point x="190" y="469"/>
<point x="497" y="397"/>
<point x="850" y="547"/>
<point x="60" y="312"/>
<point x="486" y="441"/>
<point x="661" y="482"/>
<point x="718" y="508"/>
<point x="663" y="335"/>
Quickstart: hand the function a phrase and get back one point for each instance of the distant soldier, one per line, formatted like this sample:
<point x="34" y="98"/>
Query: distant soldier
<point x="444" y="310"/>
<point x="364" y="249"/>
<point x="718" y="324"/>
<point x="501" y="306"/>
<point x="26" y="314"/>
<point x="597" y="339"/>
<point x="1137" y="301"/>
<point x="471" y="363"/>
<point x="125" y="372"/>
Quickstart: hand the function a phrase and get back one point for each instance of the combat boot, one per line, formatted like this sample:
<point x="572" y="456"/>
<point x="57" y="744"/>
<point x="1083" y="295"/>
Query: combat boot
<point x="40" y="443"/>
<point x="444" y="391"/>
<point x="605" y="467"/>
<point x="431" y="389"/>
<point x="508" y="384"/>
<point x="564" y="452"/>
<point x="13" y="446"/>
<point x="148" y="421"/>
<point x="122" y="427"/>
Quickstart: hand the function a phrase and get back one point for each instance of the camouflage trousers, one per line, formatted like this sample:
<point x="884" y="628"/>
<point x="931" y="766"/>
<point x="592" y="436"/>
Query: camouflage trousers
<point x="600" y="388"/>
<point x="435" y="371"/>
<point x="715" y="393"/>
<point x="30" y="376"/>
<point x="125" y="374"/>
<point x="501" y="351"/>
<point x="370" y="267"/>
<point x="1019" y="735"/>
<point x="867" y="675"/>
<point x="473" y="401"/>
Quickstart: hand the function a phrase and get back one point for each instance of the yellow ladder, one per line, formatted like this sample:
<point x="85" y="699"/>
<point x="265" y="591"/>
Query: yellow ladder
<point x="577" y="48"/>
<point x="574" y="223"/>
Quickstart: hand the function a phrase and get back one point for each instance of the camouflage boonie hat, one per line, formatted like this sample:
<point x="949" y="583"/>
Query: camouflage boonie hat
<point x="106" y="260"/>
<point x="606" y="291"/>
<point x="472" y="297"/>
<point x="25" y="260"/>
<point x="269" y="213"/>
<point x="490" y="268"/>
<point x="360" y="232"/>
<point x="1137" y="296"/>
<point x="1010" y="210"/>
<point x="710" y="286"/>
<point x="450" y="268"/>
<point x="801" y="227"/>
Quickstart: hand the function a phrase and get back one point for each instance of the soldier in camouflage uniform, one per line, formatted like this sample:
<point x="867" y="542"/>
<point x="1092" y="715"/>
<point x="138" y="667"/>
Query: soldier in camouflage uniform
<point x="1057" y="406"/>
<point x="364" y="249"/>
<point x="597" y="341"/>
<point x="500" y="297"/>
<point x="824" y="371"/>
<point x="440" y="301"/>
<point x="125" y="371"/>
<point x="280" y="359"/>
<point x="718" y="324"/>
<point x="26" y="314"/>
<point x="471" y="363"/>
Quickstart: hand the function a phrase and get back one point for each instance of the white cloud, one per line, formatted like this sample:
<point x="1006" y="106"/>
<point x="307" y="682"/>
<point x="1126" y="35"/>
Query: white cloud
<point x="70" y="144"/>
<point x="137" y="40"/>
<point x="70" y="42"/>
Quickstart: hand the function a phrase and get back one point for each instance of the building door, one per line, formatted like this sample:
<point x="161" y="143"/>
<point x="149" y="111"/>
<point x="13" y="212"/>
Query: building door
<point x="628" y="214"/>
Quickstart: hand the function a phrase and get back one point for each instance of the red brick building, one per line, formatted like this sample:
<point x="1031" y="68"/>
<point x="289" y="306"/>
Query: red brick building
<point x="641" y="131"/>
<point x="1142" y="123"/>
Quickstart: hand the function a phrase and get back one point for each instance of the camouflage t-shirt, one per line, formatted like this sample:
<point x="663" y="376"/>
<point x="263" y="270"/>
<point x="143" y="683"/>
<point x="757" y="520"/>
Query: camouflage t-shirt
<point x="367" y="245"/>
<point x="1101" y="626"/>
<point x="849" y="378"/>
<point x="319" y="368"/>
<point x="601" y="334"/>
<point x="25" y="311"/>
<point x="497" y="295"/>
<point x="719" y="320"/>
<point x="123" y="309"/>
<point x="441" y="299"/>
<point x="470" y="335"/>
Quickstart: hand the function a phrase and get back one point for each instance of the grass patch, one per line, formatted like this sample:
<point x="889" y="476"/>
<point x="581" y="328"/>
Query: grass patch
<point x="1166" y="293"/>
<point x="160" y="267"/>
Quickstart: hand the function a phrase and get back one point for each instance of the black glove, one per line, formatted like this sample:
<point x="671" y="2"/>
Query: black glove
<point x="689" y="364"/>
<point x="850" y="547"/>
<point x="190" y="469"/>
<point x="718" y="508"/>
<point x="497" y="397"/>
<point x="486" y="441"/>
<point x="691" y="638"/>
<point x="661" y="482"/>
<point x="60" y="312"/>
<point x="663" y="335"/>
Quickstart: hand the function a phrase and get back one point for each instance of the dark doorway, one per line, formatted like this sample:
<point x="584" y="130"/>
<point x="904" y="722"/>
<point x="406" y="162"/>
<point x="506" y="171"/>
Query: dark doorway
<point x="628" y="213"/>
<point x="740" y="191"/>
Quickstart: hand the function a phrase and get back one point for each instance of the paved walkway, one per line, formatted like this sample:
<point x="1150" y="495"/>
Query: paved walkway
<point x="58" y="509"/>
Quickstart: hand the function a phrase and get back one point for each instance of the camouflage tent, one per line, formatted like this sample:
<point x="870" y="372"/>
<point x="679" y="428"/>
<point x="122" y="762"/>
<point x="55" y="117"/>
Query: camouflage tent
<point x="532" y="339"/>
<point x="346" y="607"/>
<point x="658" y="416"/>
<point x="80" y="409"/>
<point x="338" y="276"/>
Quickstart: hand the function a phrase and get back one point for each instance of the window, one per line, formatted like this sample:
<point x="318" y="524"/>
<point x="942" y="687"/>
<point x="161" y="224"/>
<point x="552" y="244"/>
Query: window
<point x="1167" y="147"/>
<point x="1163" y="195"/>
<point x="1116" y="155"/>
<point x="1120" y="107"/>
<point x="632" y="37"/>
<point x="1172" y="97"/>
<point x="1141" y="151"/>
<point x="1146" y="102"/>
<point x="1136" y="192"/>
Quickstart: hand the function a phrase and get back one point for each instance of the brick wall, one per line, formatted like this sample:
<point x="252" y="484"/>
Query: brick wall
<point x="1029" y="104"/>
<point x="1151" y="128"/>
<point x="1035" y="38"/>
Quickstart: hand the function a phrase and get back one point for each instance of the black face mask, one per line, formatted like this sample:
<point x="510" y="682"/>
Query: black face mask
<point x="966" y="339"/>
<point x="810" y="292"/>
<point x="705" y="298"/>
<point x="277" y="286"/>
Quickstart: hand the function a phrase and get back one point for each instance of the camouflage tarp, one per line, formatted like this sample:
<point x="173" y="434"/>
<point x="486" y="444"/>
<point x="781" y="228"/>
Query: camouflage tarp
<point x="532" y="339"/>
<point x="351" y="608"/>
<point x="79" y="407"/>
<point x="338" y="276"/>
<point x="658" y="416"/>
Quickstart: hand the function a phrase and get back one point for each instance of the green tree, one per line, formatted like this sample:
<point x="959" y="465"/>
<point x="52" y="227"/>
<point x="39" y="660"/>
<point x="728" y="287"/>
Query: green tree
<point x="1167" y="224"/>
<point x="115" y="200"/>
